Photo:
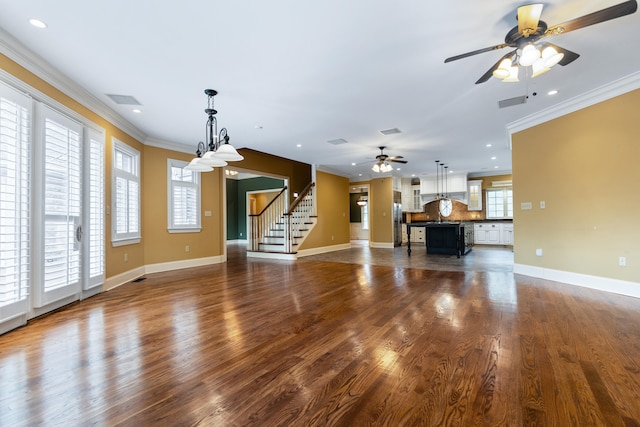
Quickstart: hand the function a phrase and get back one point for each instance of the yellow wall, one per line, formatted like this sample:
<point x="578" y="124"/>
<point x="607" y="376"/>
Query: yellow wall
<point x="381" y="210"/>
<point x="584" y="166"/>
<point x="162" y="246"/>
<point x="332" y="196"/>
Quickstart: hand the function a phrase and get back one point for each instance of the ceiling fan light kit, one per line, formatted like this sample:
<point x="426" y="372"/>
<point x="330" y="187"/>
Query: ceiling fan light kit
<point x="531" y="51"/>
<point x="215" y="153"/>
<point x="382" y="162"/>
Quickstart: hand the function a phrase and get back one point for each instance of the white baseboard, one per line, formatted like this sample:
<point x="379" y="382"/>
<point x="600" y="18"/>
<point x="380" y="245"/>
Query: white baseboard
<point x="382" y="245"/>
<point x="122" y="278"/>
<point x="188" y="263"/>
<point x="323" y="249"/>
<point x="616" y="286"/>
<point x="272" y="255"/>
<point x="237" y="241"/>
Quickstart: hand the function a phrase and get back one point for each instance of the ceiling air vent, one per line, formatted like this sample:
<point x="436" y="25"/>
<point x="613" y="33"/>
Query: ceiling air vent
<point x="390" y="131"/>
<point x="512" y="101"/>
<point x="337" y="141"/>
<point x="123" y="99"/>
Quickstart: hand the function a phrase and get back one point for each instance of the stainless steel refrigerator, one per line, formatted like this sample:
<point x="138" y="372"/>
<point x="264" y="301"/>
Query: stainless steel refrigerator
<point x="397" y="218"/>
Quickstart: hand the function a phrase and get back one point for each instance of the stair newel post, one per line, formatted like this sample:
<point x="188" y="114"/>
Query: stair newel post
<point x="287" y="233"/>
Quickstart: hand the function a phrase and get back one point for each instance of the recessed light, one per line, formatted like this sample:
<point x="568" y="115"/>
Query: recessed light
<point x="359" y="174"/>
<point x="552" y="92"/>
<point x="298" y="145"/>
<point x="495" y="167"/>
<point x="493" y="158"/>
<point x="37" y="23"/>
<point x="413" y="174"/>
<point x="353" y="164"/>
<point x="257" y="127"/>
<point x="137" y="110"/>
<point x="488" y="145"/>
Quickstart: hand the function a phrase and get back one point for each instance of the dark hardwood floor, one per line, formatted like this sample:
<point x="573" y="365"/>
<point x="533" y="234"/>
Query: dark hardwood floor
<point x="331" y="343"/>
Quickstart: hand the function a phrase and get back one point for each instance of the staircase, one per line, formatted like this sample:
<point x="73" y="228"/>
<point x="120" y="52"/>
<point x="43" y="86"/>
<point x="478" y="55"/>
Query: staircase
<point x="279" y="230"/>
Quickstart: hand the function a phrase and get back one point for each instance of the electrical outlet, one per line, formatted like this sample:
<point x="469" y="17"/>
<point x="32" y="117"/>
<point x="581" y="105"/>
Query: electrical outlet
<point x="542" y="204"/>
<point x="186" y="248"/>
<point x="126" y="257"/>
<point x="538" y="252"/>
<point x="622" y="261"/>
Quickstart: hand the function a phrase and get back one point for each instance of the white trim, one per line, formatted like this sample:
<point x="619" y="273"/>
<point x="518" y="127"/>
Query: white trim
<point x="16" y="322"/>
<point x="587" y="99"/>
<point x="381" y="245"/>
<point x="272" y="255"/>
<point x="615" y="286"/>
<point x="323" y="249"/>
<point x="122" y="278"/>
<point x="25" y="57"/>
<point x="188" y="263"/>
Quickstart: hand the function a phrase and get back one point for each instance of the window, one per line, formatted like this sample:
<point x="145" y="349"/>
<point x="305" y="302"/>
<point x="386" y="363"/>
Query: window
<point x="499" y="203"/>
<point x="15" y="232"/>
<point x="365" y="217"/>
<point x="126" y="195"/>
<point x="95" y="222"/>
<point x="184" y="198"/>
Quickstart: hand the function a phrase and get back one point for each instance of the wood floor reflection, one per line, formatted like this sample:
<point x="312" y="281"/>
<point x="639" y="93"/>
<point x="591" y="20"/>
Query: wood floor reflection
<point x="337" y="342"/>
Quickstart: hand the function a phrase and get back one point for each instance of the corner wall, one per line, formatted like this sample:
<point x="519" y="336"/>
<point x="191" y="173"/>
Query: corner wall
<point x="584" y="166"/>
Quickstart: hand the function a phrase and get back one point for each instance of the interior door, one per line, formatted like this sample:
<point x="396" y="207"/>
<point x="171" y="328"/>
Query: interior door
<point x="61" y="209"/>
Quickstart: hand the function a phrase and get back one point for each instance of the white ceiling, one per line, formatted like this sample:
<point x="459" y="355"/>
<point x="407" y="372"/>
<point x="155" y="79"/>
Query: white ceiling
<point x="293" y="72"/>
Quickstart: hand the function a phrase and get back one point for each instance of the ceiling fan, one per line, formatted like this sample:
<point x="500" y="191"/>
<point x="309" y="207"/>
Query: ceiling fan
<point x="531" y="31"/>
<point x="382" y="160"/>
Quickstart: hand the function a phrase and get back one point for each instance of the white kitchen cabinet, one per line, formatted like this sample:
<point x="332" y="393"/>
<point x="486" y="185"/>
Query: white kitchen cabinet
<point x="418" y="235"/>
<point x="493" y="233"/>
<point x="506" y="237"/>
<point x="474" y="193"/>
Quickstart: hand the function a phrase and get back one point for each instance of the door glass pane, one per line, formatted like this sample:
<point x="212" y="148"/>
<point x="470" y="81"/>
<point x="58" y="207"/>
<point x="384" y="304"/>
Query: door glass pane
<point x="62" y="205"/>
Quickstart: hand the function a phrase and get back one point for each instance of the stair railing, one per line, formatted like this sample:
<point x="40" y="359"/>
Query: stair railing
<point x="297" y="218"/>
<point x="265" y="220"/>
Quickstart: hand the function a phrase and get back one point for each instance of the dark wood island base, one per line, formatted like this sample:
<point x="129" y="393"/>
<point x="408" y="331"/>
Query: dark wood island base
<point x="441" y="238"/>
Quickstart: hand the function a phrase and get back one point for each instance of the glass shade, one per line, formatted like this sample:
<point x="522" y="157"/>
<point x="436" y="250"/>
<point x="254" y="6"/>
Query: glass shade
<point x="197" y="166"/>
<point x="551" y="57"/>
<point x="529" y="55"/>
<point x="211" y="158"/>
<point x="502" y="72"/>
<point x="228" y="152"/>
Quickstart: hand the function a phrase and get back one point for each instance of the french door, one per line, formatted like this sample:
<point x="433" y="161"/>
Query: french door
<point x="60" y="211"/>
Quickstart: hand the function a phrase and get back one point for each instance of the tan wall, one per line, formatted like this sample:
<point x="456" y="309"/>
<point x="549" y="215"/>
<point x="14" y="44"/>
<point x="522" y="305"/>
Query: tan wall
<point x="584" y="166"/>
<point x="162" y="246"/>
<point x="262" y="200"/>
<point x="332" y="195"/>
<point x="114" y="256"/>
<point x="299" y="174"/>
<point x="381" y="210"/>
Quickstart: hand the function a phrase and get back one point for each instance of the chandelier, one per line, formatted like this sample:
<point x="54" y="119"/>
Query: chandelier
<point x="540" y="62"/>
<point x="217" y="151"/>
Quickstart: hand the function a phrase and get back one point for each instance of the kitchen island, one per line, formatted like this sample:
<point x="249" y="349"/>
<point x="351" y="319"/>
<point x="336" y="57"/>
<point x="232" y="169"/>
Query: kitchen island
<point x="441" y="238"/>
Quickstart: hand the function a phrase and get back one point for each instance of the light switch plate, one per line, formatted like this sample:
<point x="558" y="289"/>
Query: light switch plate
<point x="525" y="206"/>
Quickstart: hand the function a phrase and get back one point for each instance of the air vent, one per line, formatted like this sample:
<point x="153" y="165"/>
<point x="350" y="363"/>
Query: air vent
<point x="337" y="141"/>
<point x="390" y="131"/>
<point x="512" y="101"/>
<point x="123" y="99"/>
<point x="139" y="279"/>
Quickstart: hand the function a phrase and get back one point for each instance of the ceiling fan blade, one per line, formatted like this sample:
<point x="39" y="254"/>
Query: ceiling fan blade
<point x="569" y="56"/>
<point x="475" y="52"/>
<point x="613" y="12"/>
<point x="528" y="18"/>
<point x="396" y="160"/>
<point x="486" y="76"/>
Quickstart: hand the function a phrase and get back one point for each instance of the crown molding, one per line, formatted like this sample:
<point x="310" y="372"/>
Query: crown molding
<point x="168" y="145"/>
<point x="13" y="49"/>
<point x="603" y="93"/>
